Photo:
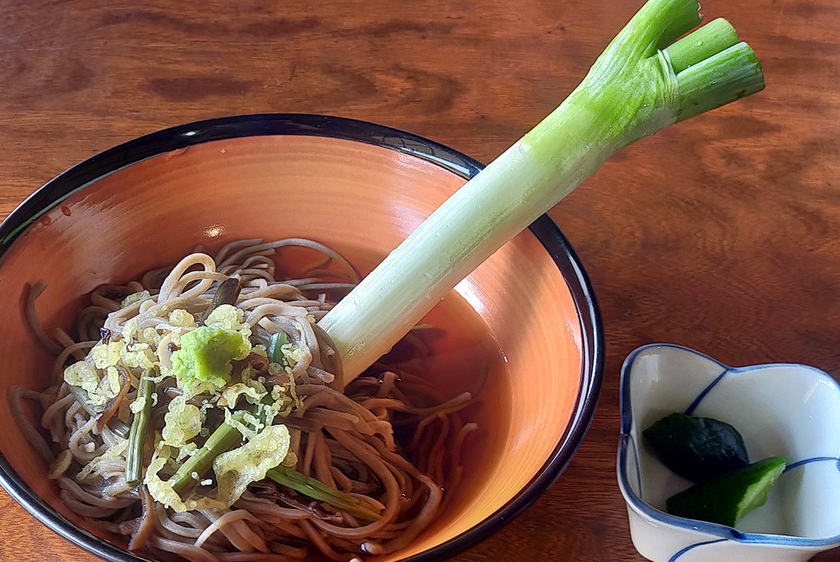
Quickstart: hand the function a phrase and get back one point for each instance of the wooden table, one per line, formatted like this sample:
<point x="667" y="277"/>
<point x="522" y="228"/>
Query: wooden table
<point x="720" y="233"/>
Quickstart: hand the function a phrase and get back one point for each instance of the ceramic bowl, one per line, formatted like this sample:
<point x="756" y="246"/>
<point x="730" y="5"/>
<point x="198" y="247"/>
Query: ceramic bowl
<point x="781" y="409"/>
<point x="361" y="189"/>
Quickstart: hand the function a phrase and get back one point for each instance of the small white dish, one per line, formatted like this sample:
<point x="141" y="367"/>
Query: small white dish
<point x="782" y="409"/>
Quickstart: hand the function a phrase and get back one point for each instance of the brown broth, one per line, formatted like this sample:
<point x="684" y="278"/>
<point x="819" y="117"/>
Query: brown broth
<point x="464" y="356"/>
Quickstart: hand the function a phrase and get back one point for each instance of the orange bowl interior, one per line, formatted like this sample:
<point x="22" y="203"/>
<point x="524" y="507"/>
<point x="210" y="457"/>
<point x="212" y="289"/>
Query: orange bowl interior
<point x="514" y="315"/>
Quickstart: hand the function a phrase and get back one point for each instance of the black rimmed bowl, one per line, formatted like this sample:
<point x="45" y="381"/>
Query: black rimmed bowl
<point x="528" y="313"/>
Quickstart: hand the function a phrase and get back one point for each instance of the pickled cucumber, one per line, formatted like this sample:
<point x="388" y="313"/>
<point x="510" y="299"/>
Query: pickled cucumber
<point x="699" y="449"/>
<point x="726" y="499"/>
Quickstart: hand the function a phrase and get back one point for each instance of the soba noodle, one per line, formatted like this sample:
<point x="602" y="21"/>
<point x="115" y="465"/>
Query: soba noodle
<point x="342" y="437"/>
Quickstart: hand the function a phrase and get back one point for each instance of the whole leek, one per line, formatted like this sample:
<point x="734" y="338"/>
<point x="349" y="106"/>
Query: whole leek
<point x="638" y="86"/>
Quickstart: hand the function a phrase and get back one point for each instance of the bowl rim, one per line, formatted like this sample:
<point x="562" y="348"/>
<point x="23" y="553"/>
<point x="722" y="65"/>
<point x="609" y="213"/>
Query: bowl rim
<point x="627" y="443"/>
<point x="170" y="139"/>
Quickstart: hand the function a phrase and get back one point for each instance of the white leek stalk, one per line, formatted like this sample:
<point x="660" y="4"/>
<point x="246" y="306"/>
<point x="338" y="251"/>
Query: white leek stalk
<point x="638" y="86"/>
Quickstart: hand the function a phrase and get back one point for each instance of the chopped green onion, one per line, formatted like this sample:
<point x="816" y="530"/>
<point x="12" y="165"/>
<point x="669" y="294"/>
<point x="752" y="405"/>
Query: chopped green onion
<point x="137" y="434"/>
<point x="633" y="90"/>
<point x="120" y="428"/>
<point x="262" y="413"/>
<point x="274" y="350"/>
<point x="319" y="491"/>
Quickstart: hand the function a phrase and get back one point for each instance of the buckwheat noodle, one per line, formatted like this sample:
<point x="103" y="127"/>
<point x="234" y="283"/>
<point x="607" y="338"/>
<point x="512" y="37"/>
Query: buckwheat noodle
<point x="343" y="437"/>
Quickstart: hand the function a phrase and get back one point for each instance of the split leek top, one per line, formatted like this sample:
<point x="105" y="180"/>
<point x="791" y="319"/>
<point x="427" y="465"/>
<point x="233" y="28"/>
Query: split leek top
<point x="643" y="82"/>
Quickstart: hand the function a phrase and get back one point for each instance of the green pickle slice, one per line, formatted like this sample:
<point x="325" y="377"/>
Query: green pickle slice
<point x="696" y="448"/>
<point x="728" y="498"/>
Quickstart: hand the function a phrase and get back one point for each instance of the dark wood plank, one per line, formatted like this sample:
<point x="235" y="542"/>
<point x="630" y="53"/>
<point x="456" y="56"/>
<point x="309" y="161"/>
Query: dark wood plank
<point x="719" y="233"/>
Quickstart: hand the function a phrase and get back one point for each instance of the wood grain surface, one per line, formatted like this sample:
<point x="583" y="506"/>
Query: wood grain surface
<point x="720" y="233"/>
